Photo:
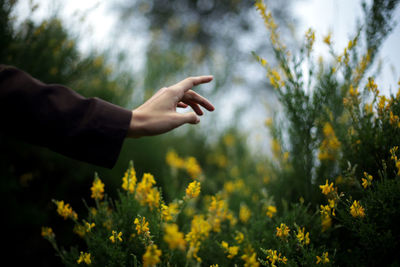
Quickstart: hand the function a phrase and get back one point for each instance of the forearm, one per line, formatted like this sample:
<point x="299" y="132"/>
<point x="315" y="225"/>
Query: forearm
<point x="55" y="116"/>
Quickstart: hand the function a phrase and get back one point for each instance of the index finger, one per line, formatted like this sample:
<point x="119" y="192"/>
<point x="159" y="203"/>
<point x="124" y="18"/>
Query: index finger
<point x="188" y="83"/>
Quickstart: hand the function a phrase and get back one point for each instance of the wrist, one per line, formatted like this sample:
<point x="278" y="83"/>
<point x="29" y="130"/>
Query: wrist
<point x="135" y="126"/>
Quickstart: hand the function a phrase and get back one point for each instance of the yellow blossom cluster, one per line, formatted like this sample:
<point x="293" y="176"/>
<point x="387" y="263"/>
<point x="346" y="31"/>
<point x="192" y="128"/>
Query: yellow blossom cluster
<point x="394" y="120"/>
<point x="169" y="212"/>
<point x="65" y="210"/>
<point x="129" y="180"/>
<point x="115" y="236"/>
<point x="190" y="164"/>
<point x="239" y="237"/>
<point x="327" y="38"/>
<point x="275" y="78"/>
<point x="269" y="23"/>
<point x="219" y="212"/>
<point x="367" y="180"/>
<point x="326" y="212"/>
<point x="302" y="236"/>
<point x="97" y="188"/>
<point x="47" y="232"/>
<point x="173" y="237"/>
<point x="327" y="188"/>
<point x="372" y="86"/>
<point x="89" y="226"/>
<point x="232" y="251"/>
<point x="282" y="231"/>
<point x="84" y="257"/>
<point x="323" y="259"/>
<point x="310" y="38"/>
<point x="244" y="213"/>
<point x="174" y="160"/>
<point x="356" y="210"/>
<point x="142" y="226"/>
<point x="393" y="152"/>
<point x="361" y="68"/>
<point x="199" y="230"/>
<point x="152" y="256"/>
<point x="271" y="211"/>
<point x="193" y="190"/>
<point x="232" y="186"/>
<point x="146" y="194"/>
<point x="330" y="145"/>
<point x="250" y="258"/>
<point x="273" y="257"/>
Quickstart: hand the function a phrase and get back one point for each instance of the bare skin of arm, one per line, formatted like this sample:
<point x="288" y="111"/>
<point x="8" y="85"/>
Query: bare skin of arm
<point x="158" y="114"/>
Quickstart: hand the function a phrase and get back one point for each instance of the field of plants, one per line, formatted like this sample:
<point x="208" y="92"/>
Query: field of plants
<point x="329" y="194"/>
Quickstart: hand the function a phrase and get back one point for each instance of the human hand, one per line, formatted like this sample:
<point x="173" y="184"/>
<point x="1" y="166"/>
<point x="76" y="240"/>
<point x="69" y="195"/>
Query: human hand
<point x="158" y="114"/>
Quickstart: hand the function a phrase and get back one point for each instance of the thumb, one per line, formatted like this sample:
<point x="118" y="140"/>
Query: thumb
<point x="189" y="117"/>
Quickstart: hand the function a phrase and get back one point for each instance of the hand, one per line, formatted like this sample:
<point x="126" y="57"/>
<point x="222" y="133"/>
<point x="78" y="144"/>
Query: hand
<point x="158" y="114"/>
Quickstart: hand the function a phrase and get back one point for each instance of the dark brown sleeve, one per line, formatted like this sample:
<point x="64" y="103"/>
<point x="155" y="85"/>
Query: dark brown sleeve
<point x="54" y="116"/>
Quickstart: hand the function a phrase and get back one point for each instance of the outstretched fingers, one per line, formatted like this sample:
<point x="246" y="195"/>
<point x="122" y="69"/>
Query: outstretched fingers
<point x="189" y="83"/>
<point x="193" y="97"/>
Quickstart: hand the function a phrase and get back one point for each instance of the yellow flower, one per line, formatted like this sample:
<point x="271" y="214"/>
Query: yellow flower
<point x="192" y="167"/>
<point x="273" y="257"/>
<point x="174" y="160"/>
<point x="199" y="230"/>
<point x="152" y="256"/>
<point x="356" y="210"/>
<point x="382" y="103"/>
<point x="310" y="37"/>
<point x="282" y="231"/>
<point x="271" y="211"/>
<point x="173" y="237"/>
<point x="302" y="237"/>
<point x="372" y="86"/>
<point x="115" y="237"/>
<point x="142" y="227"/>
<point x="323" y="259"/>
<point x="327" y="188"/>
<point x="231" y="251"/>
<point x="367" y="181"/>
<point x="244" y="214"/>
<point x="146" y="193"/>
<point x="129" y="180"/>
<point x="275" y="79"/>
<point x="47" y="232"/>
<point x="250" y="260"/>
<point x="327" y="38"/>
<point x="65" y="210"/>
<point x="89" y="226"/>
<point x="326" y="222"/>
<point x="84" y="257"/>
<point x="169" y="212"/>
<point x="330" y="145"/>
<point x="353" y="91"/>
<point x="193" y="190"/>
<point x="239" y="237"/>
<point x="97" y="188"/>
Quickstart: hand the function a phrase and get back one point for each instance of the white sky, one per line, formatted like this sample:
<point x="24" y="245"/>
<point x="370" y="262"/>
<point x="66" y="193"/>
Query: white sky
<point x="339" y="17"/>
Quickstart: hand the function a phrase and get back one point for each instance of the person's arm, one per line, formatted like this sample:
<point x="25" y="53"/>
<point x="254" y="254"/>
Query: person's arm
<point x="54" y="116"/>
<point x="89" y="129"/>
